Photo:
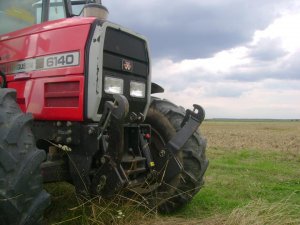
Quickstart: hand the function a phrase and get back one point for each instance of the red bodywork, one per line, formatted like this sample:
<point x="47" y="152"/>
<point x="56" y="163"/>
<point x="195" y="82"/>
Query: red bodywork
<point x="50" y="94"/>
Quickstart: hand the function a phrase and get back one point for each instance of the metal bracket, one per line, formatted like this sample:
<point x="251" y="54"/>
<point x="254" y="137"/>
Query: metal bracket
<point x="118" y="109"/>
<point x="112" y="122"/>
<point x="189" y="125"/>
<point x="109" y="179"/>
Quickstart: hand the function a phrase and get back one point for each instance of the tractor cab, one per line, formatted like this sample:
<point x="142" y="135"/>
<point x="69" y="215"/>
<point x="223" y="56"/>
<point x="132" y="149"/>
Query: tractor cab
<point x="15" y="15"/>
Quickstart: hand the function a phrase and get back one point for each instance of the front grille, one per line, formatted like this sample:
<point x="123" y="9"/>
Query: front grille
<point x="119" y="42"/>
<point x="120" y="46"/>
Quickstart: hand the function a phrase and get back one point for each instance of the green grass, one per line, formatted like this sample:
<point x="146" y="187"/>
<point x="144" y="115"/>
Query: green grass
<point x="235" y="178"/>
<point x="246" y="182"/>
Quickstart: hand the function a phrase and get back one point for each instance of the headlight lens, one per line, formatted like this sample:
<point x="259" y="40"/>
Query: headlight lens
<point x="113" y="85"/>
<point x="137" y="89"/>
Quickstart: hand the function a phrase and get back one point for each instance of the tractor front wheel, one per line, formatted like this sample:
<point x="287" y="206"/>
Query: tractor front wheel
<point x="165" y="119"/>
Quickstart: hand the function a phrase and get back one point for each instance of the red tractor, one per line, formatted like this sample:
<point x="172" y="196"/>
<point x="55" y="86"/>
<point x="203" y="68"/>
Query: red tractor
<point x="76" y="106"/>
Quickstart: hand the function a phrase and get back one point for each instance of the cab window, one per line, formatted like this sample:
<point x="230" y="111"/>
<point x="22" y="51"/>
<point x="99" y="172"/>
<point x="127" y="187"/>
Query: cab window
<point x="57" y="10"/>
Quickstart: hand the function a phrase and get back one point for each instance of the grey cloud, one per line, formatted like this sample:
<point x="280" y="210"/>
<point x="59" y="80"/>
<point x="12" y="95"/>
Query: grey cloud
<point x="227" y="89"/>
<point x="189" y="29"/>
<point x="291" y="69"/>
<point x="267" y="50"/>
<point x="180" y="83"/>
<point x="288" y="69"/>
<point x="279" y="85"/>
<point x="225" y="92"/>
<point x="236" y="81"/>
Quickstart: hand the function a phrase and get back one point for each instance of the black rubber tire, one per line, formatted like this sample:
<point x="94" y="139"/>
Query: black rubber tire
<point x="165" y="119"/>
<point x="22" y="198"/>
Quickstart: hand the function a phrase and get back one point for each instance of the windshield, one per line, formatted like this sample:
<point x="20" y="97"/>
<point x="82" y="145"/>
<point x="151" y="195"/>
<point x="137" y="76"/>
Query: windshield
<point x="77" y="6"/>
<point x="16" y="14"/>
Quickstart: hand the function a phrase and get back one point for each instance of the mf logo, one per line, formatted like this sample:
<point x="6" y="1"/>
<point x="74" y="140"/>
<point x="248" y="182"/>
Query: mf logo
<point x="127" y="65"/>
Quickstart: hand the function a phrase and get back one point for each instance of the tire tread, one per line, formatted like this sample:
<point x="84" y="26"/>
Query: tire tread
<point x="23" y="199"/>
<point x="193" y="151"/>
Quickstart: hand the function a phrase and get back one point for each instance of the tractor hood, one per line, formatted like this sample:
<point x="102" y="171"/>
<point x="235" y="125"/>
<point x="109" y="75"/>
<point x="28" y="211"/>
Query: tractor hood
<point x="14" y="45"/>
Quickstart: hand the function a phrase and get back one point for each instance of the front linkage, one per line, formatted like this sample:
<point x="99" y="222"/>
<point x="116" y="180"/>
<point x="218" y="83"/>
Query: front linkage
<point x="113" y="175"/>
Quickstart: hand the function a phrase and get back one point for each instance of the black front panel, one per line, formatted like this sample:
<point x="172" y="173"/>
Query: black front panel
<point x="124" y="44"/>
<point x="120" y="47"/>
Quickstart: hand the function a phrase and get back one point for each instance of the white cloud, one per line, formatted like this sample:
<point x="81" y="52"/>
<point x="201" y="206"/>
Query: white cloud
<point x="220" y="64"/>
<point x="286" y="29"/>
<point x="257" y="101"/>
<point x="258" y="80"/>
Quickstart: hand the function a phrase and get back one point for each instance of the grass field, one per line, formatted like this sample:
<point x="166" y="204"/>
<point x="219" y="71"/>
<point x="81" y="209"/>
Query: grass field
<point x="253" y="179"/>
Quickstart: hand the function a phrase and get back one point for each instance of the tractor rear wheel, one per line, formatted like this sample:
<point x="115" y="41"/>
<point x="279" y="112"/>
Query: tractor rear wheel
<point x="22" y="198"/>
<point x="165" y="119"/>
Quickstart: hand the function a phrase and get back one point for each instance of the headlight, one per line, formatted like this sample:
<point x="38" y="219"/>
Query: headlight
<point x="137" y="89"/>
<point x="113" y="85"/>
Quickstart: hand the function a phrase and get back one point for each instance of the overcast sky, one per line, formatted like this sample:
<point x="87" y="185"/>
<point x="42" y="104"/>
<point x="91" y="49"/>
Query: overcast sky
<point x="236" y="58"/>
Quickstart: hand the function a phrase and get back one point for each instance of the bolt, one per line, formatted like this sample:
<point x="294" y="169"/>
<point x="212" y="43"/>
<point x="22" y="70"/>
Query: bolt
<point x="58" y="123"/>
<point x="133" y="117"/>
<point x="141" y="117"/>
<point x="69" y="131"/>
<point x="162" y="153"/>
<point x="69" y="124"/>
<point x="102" y="160"/>
<point x="69" y="140"/>
<point x="58" y="139"/>
<point x="91" y="130"/>
<point x="102" y="183"/>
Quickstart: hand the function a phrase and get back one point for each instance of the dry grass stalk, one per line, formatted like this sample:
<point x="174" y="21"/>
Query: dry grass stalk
<point x="264" y="213"/>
